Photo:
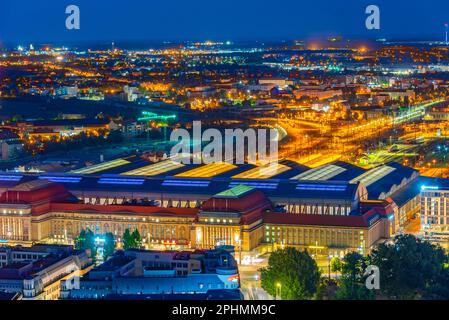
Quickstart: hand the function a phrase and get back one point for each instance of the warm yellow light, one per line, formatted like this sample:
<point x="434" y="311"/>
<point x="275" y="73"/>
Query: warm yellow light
<point x="155" y="169"/>
<point x="265" y="172"/>
<point x="237" y="238"/>
<point x="199" y="235"/>
<point x="101" y="167"/>
<point x="208" y="171"/>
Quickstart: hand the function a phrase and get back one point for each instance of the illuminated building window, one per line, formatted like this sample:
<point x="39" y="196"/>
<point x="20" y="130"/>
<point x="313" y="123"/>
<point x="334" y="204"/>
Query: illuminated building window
<point x="257" y="185"/>
<point x="121" y="181"/>
<point x="57" y="179"/>
<point x="321" y="187"/>
<point x="186" y="183"/>
<point x="13" y="178"/>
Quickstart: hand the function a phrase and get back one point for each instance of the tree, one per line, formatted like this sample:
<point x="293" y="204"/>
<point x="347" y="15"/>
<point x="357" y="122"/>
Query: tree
<point x="336" y="264"/>
<point x="80" y="241"/>
<point x="132" y="240"/>
<point x="440" y="289"/>
<point x="410" y="268"/>
<point x="352" y="285"/>
<point x="292" y="274"/>
<point x="109" y="245"/>
<point x="353" y="291"/>
<point x="127" y="240"/>
<point x="327" y="289"/>
<point x="86" y="241"/>
<point x="16" y="118"/>
<point x="137" y="239"/>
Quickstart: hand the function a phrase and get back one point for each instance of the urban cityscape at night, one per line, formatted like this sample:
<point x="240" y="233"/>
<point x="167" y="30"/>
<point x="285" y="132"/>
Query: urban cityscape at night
<point x="248" y="157"/>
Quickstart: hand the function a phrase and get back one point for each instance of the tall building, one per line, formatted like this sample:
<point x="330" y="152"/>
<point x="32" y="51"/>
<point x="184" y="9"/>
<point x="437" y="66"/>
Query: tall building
<point x="435" y="211"/>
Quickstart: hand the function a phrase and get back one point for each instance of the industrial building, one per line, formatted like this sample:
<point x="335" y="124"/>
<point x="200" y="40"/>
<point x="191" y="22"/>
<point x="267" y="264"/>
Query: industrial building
<point x="334" y="209"/>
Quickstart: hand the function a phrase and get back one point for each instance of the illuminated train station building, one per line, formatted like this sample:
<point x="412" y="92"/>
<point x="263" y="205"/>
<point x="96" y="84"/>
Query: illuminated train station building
<point x="331" y="209"/>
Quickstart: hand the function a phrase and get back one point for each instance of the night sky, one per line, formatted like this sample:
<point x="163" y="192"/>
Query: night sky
<point x="28" y="21"/>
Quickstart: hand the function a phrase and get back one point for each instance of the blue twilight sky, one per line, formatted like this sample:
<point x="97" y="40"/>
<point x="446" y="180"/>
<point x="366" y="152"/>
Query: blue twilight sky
<point x="24" y="21"/>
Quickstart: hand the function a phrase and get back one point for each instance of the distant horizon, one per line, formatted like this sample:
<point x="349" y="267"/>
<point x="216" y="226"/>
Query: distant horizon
<point x="101" y="21"/>
<point x="147" y="44"/>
